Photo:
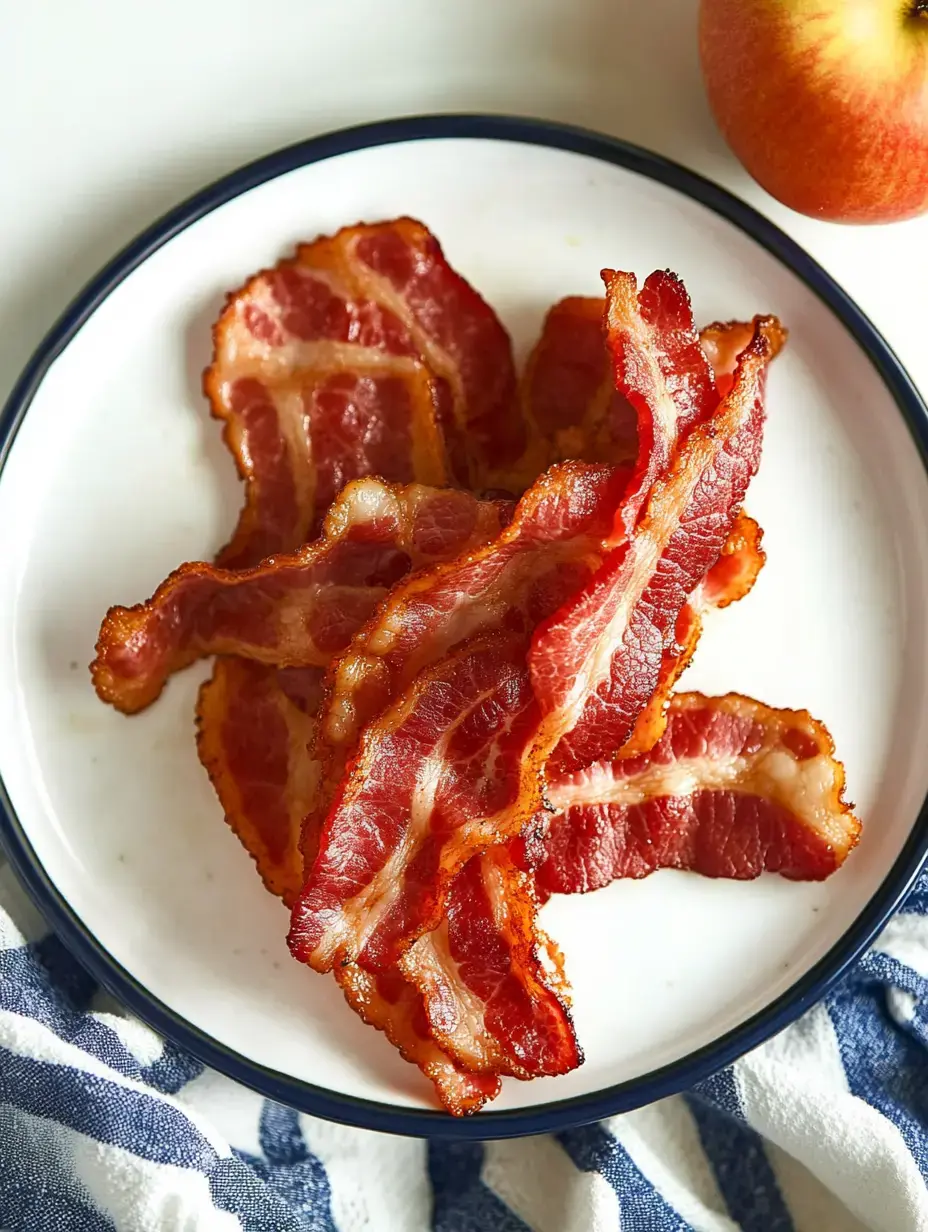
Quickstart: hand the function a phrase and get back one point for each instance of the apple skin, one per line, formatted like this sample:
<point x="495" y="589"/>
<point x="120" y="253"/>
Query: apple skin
<point x="825" y="102"/>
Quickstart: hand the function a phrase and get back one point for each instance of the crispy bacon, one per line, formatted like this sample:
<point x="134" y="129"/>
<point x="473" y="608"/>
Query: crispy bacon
<point x="445" y="771"/>
<point x="492" y="983"/>
<point x="363" y="354"/>
<point x="297" y="442"/>
<point x="596" y="663"/>
<point x="411" y="810"/>
<point x="392" y="1005"/>
<point x="552" y="545"/>
<point x="294" y="610"/>
<point x="433" y="752"/>
<point x="254" y="727"/>
<point x="733" y="788"/>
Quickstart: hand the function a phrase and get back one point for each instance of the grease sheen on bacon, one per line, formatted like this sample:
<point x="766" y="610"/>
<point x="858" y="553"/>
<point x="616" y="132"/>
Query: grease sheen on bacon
<point x="293" y="610"/>
<point x="732" y="789"/>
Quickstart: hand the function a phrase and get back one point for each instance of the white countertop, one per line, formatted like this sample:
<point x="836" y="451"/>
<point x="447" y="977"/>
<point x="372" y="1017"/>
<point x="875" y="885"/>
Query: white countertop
<point x="112" y="111"/>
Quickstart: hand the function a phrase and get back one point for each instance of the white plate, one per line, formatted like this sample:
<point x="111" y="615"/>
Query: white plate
<point x="116" y="474"/>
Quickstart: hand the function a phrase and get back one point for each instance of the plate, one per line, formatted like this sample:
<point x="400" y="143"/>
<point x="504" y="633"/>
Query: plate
<point x="113" y="473"/>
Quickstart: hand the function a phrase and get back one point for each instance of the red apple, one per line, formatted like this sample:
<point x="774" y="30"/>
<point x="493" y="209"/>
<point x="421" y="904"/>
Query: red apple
<point x="825" y="102"/>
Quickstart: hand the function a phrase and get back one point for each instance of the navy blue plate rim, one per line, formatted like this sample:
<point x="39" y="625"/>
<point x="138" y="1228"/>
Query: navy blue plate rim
<point x="580" y="1109"/>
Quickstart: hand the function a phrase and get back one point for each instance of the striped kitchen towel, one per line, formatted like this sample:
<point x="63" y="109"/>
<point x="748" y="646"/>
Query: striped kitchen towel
<point x="105" y="1126"/>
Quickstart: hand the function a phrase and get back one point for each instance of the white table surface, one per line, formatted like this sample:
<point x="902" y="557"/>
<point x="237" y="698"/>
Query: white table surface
<point x="111" y="111"/>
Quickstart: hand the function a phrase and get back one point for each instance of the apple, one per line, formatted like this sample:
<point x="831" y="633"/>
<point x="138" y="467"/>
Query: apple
<point x="825" y="102"/>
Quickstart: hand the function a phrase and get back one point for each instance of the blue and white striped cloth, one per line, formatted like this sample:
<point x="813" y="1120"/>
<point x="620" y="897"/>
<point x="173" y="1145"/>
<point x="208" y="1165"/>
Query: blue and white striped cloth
<point x="104" y="1126"/>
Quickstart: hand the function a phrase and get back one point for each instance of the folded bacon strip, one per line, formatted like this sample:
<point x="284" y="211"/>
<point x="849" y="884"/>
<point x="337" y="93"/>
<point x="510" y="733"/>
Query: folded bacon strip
<point x="254" y="726"/>
<point x="485" y="955"/>
<point x="596" y="663"/>
<point x="732" y="789"/>
<point x="391" y="1004"/>
<point x="492" y="983"/>
<point x="293" y="610"/>
<point x="363" y="354"/>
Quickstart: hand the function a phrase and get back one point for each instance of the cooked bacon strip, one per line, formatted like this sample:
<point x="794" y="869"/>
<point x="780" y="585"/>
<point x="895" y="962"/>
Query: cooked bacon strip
<point x="254" y="727"/>
<point x="363" y="354"/>
<point x="596" y="662"/>
<point x="660" y="367"/>
<point x="568" y="389"/>
<point x="733" y="788"/>
<point x="445" y="771"/>
<point x="295" y="610"/>
<point x="419" y="813"/>
<point x="571" y="396"/>
<point x="392" y="1005"/>
<point x="729" y="579"/>
<point x="298" y="439"/>
<point x="400" y="265"/>
<point x="253" y="738"/>
<point x="491" y="982"/>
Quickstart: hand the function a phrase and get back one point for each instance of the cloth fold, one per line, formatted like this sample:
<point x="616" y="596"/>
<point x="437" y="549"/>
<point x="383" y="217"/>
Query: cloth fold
<point x="103" y="1125"/>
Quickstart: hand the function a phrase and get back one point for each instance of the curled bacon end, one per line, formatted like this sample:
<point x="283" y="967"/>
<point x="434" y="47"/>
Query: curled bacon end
<point x="254" y="726"/>
<point x="734" y="573"/>
<point x="492" y="983"/>
<point x="723" y="342"/>
<point x="733" y="788"/>
<point x="448" y="769"/>
<point x="388" y="1003"/>
<point x="294" y="610"/>
<point x="659" y="366"/>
